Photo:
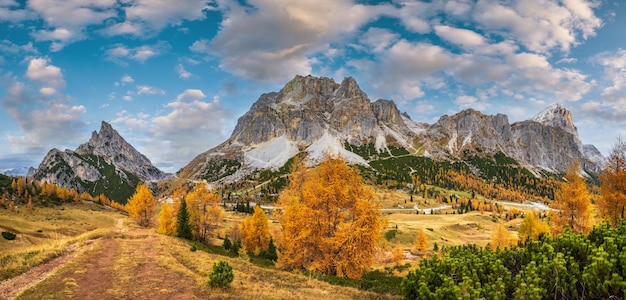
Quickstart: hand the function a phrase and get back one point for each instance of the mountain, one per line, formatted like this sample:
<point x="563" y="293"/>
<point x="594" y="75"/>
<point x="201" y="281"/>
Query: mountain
<point x="105" y="164"/>
<point x="20" y="171"/>
<point x="310" y="115"/>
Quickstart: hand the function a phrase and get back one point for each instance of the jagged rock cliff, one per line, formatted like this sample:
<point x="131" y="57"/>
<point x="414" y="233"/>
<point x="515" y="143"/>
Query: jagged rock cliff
<point x="317" y="115"/>
<point x="105" y="164"/>
<point x="310" y="114"/>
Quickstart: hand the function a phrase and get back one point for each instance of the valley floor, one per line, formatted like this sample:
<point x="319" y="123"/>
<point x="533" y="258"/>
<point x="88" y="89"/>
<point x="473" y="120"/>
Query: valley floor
<point x="137" y="263"/>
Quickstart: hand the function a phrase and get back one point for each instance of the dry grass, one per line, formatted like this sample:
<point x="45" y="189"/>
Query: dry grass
<point x="45" y="233"/>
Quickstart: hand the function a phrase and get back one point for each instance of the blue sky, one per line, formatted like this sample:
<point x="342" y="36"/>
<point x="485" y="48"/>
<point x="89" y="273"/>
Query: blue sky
<point x="173" y="76"/>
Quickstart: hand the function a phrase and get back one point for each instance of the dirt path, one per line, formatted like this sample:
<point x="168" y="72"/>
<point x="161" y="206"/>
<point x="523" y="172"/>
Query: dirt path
<point x="10" y="288"/>
<point x="130" y="266"/>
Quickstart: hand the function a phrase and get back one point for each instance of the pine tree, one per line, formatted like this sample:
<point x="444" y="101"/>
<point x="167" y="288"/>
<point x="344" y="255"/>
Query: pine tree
<point x="183" y="229"/>
<point x="227" y="245"/>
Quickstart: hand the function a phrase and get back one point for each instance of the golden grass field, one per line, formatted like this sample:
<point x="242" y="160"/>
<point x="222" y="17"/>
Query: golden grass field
<point x="126" y="261"/>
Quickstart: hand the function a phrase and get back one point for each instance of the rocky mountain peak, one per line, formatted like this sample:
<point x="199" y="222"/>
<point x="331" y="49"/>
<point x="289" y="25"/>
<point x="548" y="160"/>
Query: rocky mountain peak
<point x="556" y="115"/>
<point x="110" y="145"/>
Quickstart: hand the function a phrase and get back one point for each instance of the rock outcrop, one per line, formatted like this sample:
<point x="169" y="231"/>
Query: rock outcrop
<point x="317" y="115"/>
<point x="105" y="164"/>
<point x="310" y="114"/>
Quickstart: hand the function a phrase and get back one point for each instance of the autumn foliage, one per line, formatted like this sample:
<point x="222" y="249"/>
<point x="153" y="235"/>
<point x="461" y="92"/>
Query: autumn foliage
<point x="205" y="213"/>
<point x="612" y="202"/>
<point x="141" y="206"/>
<point x="421" y="242"/>
<point x="501" y="238"/>
<point x="532" y="228"/>
<point x="573" y="204"/>
<point x="330" y="222"/>
<point x="167" y="223"/>
<point x="256" y="232"/>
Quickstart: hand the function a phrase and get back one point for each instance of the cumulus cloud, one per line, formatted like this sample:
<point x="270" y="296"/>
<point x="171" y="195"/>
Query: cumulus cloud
<point x="540" y="25"/>
<point x="149" y="90"/>
<point x="192" y="125"/>
<point x="67" y="19"/>
<point x="464" y="37"/>
<point x="48" y="75"/>
<point x="146" y="16"/>
<point x="120" y="53"/>
<point x="44" y="121"/>
<point x="182" y="73"/>
<point x="278" y="39"/>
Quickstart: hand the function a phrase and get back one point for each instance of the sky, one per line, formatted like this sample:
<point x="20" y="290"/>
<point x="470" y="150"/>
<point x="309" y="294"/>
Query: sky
<point x="173" y="76"/>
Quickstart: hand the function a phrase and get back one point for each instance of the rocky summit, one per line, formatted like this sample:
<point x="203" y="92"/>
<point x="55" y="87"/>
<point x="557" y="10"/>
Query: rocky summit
<point x="313" y="116"/>
<point x="106" y="164"/>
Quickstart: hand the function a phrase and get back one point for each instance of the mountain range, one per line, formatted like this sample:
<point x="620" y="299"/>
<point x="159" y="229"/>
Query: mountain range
<point x="316" y="116"/>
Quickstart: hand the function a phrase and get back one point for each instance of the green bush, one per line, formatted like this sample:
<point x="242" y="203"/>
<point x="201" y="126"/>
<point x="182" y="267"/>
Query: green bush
<point x="8" y="235"/>
<point x="222" y="274"/>
<point x="193" y="248"/>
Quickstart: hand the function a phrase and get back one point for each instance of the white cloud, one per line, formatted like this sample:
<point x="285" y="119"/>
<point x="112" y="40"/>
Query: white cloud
<point x="48" y="75"/>
<point x="464" y="37"/>
<point x="192" y="124"/>
<point x="278" y="39"/>
<point x="9" y="47"/>
<point x="10" y="12"/>
<point x="465" y="102"/>
<point x="120" y="53"/>
<point x="147" y="16"/>
<point x="66" y="20"/>
<point x="539" y="25"/>
<point x="378" y="39"/>
<point x="126" y="79"/>
<point x="182" y="73"/>
<point x="43" y="122"/>
<point x="149" y="90"/>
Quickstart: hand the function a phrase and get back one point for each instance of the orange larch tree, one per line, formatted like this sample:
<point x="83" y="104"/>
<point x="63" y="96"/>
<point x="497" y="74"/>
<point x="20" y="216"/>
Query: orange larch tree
<point x="421" y="242"/>
<point x="141" y="206"/>
<point x="330" y="221"/>
<point x="256" y="231"/>
<point x="205" y="213"/>
<point x="532" y="227"/>
<point x="500" y="238"/>
<point x="167" y="222"/>
<point x="573" y="204"/>
<point x="612" y="201"/>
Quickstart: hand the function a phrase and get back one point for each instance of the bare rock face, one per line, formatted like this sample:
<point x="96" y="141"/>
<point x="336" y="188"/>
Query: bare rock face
<point x="110" y="145"/>
<point x="469" y="130"/>
<point x="106" y="164"/>
<point x="316" y="115"/>
<point x="311" y="114"/>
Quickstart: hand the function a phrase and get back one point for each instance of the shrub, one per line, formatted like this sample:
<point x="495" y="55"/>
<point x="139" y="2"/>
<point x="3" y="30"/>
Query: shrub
<point x="222" y="274"/>
<point x="193" y="248"/>
<point x="8" y="235"/>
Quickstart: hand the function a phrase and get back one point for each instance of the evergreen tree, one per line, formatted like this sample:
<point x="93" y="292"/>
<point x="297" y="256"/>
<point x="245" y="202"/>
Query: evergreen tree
<point x="183" y="229"/>
<point x="227" y="245"/>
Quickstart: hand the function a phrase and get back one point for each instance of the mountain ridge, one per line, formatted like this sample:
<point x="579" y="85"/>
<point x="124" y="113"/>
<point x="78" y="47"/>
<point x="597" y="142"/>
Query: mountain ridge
<point x="106" y="164"/>
<point x="314" y="115"/>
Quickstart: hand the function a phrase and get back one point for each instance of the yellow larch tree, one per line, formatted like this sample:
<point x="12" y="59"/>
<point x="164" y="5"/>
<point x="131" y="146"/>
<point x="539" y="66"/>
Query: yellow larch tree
<point x="612" y="202"/>
<point x="205" y="213"/>
<point x="421" y="242"/>
<point x="532" y="227"/>
<point x="330" y="221"/>
<point x="141" y="206"/>
<point x="500" y="238"/>
<point x="167" y="222"/>
<point x="572" y="203"/>
<point x="397" y="254"/>
<point x="256" y="231"/>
